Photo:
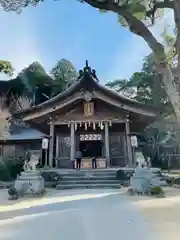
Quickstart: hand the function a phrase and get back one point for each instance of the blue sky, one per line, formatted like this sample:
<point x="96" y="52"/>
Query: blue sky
<point x="77" y="32"/>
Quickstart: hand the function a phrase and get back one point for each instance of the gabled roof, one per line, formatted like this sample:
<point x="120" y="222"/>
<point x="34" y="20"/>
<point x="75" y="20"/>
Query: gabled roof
<point x="88" y="81"/>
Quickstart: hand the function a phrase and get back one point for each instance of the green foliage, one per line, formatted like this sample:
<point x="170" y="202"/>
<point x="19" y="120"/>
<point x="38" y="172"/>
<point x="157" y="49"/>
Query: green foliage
<point x="137" y="8"/>
<point x="169" y="43"/>
<point x="6" y="67"/>
<point x="12" y="191"/>
<point x="148" y="84"/>
<point x="118" y="84"/>
<point x="124" y="174"/>
<point x="34" y="76"/>
<point x="52" y="179"/>
<point x="13" y="194"/>
<point x="160" y="139"/>
<point x="63" y="74"/>
<point x="10" y="168"/>
<point x="155" y="191"/>
<point x="4" y="174"/>
<point x="176" y="181"/>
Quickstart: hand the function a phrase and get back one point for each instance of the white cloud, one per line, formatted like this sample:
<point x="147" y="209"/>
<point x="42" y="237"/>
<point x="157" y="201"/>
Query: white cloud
<point x="130" y="55"/>
<point x="18" y="40"/>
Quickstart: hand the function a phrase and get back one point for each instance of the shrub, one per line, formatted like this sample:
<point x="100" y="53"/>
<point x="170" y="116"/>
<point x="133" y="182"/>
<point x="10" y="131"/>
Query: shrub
<point x="130" y="191"/>
<point x="170" y="180"/>
<point x="176" y="181"/>
<point x="4" y="174"/>
<point x="43" y="192"/>
<point x="13" y="194"/>
<point x="51" y="178"/>
<point x="155" y="191"/>
<point x="10" y="168"/>
<point x="14" y="166"/>
<point x="124" y="174"/>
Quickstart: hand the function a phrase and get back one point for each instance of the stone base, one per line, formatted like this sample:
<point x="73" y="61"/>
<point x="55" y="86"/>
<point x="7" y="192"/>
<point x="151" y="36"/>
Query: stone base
<point x="29" y="183"/>
<point x="30" y="176"/>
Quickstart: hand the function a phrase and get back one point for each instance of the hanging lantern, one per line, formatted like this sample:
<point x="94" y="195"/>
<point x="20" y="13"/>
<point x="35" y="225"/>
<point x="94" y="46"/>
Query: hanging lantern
<point x="94" y="126"/>
<point x="85" y="126"/>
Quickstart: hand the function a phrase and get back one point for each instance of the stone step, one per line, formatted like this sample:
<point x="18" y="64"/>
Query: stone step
<point x="89" y="181"/>
<point x="84" y="178"/>
<point x="85" y="186"/>
<point x="83" y="170"/>
<point x="74" y="171"/>
<point x="81" y="174"/>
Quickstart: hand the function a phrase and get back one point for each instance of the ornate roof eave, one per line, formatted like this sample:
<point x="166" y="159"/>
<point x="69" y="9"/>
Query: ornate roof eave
<point x="87" y="79"/>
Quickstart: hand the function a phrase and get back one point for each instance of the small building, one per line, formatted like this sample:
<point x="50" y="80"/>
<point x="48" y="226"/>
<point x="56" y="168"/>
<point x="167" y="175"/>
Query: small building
<point x="20" y="140"/>
<point x="91" y="118"/>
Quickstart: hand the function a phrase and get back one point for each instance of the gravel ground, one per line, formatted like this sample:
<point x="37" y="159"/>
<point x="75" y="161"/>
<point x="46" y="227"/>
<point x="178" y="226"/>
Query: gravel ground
<point x="164" y="214"/>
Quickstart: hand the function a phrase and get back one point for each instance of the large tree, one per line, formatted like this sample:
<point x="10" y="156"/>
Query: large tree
<point x="138" y="15"/>
<point x="41" y="86"/>
<point x="34" y="76"/>
<point x="145" y="86"/>
<point x="64" y="74"/>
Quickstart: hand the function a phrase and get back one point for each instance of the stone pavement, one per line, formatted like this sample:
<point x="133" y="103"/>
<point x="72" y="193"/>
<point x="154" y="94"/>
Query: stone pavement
<point x="86" y="214"/>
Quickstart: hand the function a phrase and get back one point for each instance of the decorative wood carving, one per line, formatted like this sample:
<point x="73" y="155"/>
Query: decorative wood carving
<point x="87" y="96"/>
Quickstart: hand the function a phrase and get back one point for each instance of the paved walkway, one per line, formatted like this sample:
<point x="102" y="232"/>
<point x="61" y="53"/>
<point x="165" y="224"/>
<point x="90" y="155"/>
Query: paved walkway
<point x="85" y="215"/>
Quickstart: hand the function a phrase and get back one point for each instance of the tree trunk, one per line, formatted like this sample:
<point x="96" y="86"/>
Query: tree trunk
<point x="137" y="27"/>
<point x="171" y="89"/>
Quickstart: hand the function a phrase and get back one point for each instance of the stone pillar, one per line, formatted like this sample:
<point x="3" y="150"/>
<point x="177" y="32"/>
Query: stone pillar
<point x="128" y="143"/>
<point x="51" y="143"/>
<point x="72" y="136"/>
<point x="107" y="150"/>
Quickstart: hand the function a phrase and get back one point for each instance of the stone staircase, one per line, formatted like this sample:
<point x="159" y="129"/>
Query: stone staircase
<point x="87" y="178"/>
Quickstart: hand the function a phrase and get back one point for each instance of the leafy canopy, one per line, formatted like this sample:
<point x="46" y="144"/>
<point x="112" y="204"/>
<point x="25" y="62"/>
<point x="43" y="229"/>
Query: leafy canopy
<point x="145" y="86"/>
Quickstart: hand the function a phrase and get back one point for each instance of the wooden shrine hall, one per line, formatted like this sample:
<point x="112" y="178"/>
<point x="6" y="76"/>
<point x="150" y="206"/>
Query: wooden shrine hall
<point x="90" y="118"/>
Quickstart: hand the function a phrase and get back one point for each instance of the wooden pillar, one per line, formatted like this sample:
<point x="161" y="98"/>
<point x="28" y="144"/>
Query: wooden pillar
<point x="128" y="143"/>
<point x="51" y="143"/>
<point x="57" y="150"/>
<point x="72" y="135"/>
<point x="107" y="150"/>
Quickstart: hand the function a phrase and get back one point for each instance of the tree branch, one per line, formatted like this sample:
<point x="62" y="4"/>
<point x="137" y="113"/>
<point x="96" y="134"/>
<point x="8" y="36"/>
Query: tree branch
<point x="164" y="4"/>
<point x="135" y="25"/>
<point x="158" y="5"/>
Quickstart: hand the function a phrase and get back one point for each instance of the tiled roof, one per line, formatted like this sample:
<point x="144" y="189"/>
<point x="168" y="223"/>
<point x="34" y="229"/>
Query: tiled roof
<point x="25" y="134"/>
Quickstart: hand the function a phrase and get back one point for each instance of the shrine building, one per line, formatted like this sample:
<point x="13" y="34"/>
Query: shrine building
<point x="90" y="118"/>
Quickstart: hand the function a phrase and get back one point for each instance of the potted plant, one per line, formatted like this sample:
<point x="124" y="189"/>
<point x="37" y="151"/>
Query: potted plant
<point x="13" y="194"/>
